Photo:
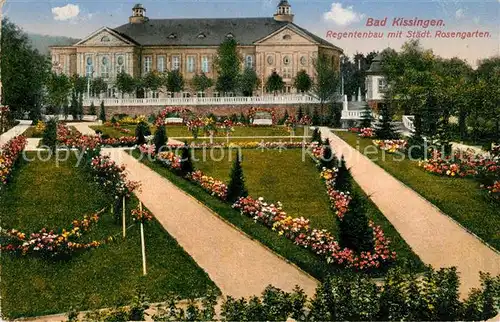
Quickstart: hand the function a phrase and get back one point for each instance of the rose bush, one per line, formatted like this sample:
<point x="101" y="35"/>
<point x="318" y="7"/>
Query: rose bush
<point x="9" y="154"/>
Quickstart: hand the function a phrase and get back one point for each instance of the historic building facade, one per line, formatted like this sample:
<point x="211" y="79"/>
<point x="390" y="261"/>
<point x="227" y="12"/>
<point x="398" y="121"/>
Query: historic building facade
<point x="144" y="45"/>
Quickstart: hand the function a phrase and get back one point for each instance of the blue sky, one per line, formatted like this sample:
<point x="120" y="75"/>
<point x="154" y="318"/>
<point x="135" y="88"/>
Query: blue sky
<point x="80" y="18"/>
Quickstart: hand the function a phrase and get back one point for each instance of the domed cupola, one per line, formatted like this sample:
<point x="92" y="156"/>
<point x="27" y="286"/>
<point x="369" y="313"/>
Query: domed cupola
<point x="284" y="12"/>
<point x="138" y="14"/>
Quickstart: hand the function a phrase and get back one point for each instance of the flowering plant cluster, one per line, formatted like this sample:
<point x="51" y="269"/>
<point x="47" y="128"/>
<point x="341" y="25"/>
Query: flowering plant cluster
<point x="305" y="120"/>
<point x="211" y="185"/>
<point x="51" y="244"/>
<point x="171" y="112"/>
<point x="254" y="110"/>
<point x="147" y="149"/>
<point x="141" y="215"/>
<point x="194" y="126"/>
<point x="291" y="123"/>
<point x="462" y="164"/>
<point x="317" y="150"/>
<point x="9" y="154"/>
<point x="321" y="242"/>
<point x="107" y="173"/>
<point x="170" y="160"/>
<point x="227" y="126"/>
<point x="39" y="128"/>
<point x="209" y="125"/>
<point x="354" y="129"/>
<point x="391" y="146"/>
<point x="366" y="132"/>
<point x="494" y="190"/>
<point x="340" y="200"/>
<point x="118" y="127"/>
<point x="128" y="120"/>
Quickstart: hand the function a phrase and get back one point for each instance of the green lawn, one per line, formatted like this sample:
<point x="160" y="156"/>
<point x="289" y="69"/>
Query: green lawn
<point x="29" y="133"/>
<point x="461" y="199"/>
<point x="282" y="177"/>
<point x="175" y="131"/>
<point x="43" y="195"/>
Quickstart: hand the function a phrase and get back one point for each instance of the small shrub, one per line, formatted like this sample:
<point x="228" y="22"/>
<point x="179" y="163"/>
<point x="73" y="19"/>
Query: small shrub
<point x="160" y="138"/>
<point x="50" y="134"/>
<point x="92" y="109"/>
<point x="316" y="135"/>
<point x="236" y="187"/>
<point x="328" y="160"/>
<point x="102" y="113"/>
<point x="354" y="230"/>
<point x="186" y="162"/>
<point x="141" y="131"/>
<point x="343" y="182"/>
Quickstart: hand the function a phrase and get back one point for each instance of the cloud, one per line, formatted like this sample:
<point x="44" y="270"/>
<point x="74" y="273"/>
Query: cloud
<point x="67" y="12"/>
<point x="460" y="13"/>
<point x="342" y="16"/>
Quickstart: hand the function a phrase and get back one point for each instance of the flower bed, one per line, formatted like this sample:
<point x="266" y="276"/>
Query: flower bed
<point x="213" y="186"/>
<point x="48" y="243"/>
<point x="391" y="146"/>
<point x="172" y="112"/>
<point x="494" y="190"/>
<point x="108" y="174"/>
<point x="9" y="154"/>
<point x="366" y="132"/>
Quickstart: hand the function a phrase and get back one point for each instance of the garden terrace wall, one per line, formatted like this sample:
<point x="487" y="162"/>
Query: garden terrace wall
<point x="222" y="110"/>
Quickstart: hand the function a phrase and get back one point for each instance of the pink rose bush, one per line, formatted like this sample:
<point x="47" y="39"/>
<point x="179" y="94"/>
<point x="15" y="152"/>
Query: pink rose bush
<point x="170" y="160"/>
<point x="9" y="154"/>
<point x="366" y="132"/>
<point x="213" y="186"/>
<point x="494" y="190"/>
<point x="391" y="146"/>
<point x="48" y="243"/>
<point x="339" y="200"/>
<point x="111" y="176"/>
<point x="305" y="120"/>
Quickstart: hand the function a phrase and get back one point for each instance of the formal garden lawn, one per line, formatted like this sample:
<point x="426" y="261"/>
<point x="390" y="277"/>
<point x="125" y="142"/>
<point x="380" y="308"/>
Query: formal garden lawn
<point x="181" y="131"/>
<point x="460" y="198"/>
<point x="282" y="176"/>
<point x="43" y="195"/>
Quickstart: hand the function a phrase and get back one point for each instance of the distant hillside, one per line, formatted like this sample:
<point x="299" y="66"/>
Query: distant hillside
<point x="43" y="42"/>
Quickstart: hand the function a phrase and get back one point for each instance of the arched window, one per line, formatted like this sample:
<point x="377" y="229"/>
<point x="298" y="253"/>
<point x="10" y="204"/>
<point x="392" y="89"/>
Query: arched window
<point x="120" y="64"/>
<point x="287" y="37"/>
<point x="229" y="35"/>
<point x="89" y="67"/>
<point x="105" y="67"/>
<point x="201" y="35"/>
<point x="105" y="39"/>
<point x="172" y="36"/>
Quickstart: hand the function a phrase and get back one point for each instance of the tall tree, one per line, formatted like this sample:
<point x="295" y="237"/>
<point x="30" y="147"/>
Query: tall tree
<point x="302" y="82"/>
<point x="24" y="72"/>
<point x="248" y="81"/>
<point x="385" y="129"/>
<point x="366" y="116"/>
<point x="153" y="81"/>
<point x="125" y="83"/>
<point x="326" y="85"/>
<point x="175" y="81"/>
<point x="99" y="86"/>
<point x="274" y="83"/>
<point x="58" y="89"/>
<point x="79" y="84"/>
<point x="201" y="82"/>
<point x="227" y="65"/>
<point x="236" y="187"/>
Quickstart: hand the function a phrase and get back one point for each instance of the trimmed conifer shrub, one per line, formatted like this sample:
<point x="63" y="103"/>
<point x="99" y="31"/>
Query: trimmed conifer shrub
<point x="385" y="130"/>
<point x="316" y="135"/>
<point x="160" y="138"/>
<point x="354" y="230"/>
<point x="92" y="109"/>
<point x="141" y="131"/>
<point x="366" y="116"/>
<point x="316" y="118"/>
<point x="186" y="162"/>
<point x="343" y="181"/>
<point x="102" y="113"/>
<point x="236" y="188"/>
<point x="49" y="137"/>
<point x="328" y="160"/>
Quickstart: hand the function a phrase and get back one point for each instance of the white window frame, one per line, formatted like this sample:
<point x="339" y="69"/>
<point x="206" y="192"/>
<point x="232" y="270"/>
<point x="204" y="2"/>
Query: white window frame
<point x="176" y="62"/>
<point x="120" y="68"/>
<point x="287" y="72"/>
<point x="105" y="69"/>
<point x="190" y="64"/>
<point x="89" y="69"/>
<point x="148" y="62"/>
<point x="381" y="84"/>
<point x="160" y="63"/>
<point x="205" y="66"/>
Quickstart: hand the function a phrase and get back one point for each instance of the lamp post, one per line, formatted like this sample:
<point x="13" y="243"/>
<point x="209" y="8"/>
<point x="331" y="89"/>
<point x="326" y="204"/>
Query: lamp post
<point x="2" y="2"/>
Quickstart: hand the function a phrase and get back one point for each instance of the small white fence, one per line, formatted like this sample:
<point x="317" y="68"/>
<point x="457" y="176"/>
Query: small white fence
<point x="408" y="122"/>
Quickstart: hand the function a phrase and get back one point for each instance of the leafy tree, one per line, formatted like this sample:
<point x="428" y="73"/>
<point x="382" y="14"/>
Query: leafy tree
<point x="385" y="130"/>
<point x="227" y="65"/>
<point x="141" y="131"/>
<point x="186" y="164"/>
<point x="160" y="139"/>
<point x="302" y="82"/>
<point x="153" y="81"/>
<point x="236" y="187"/>
<point x="24" y="72"/>
<point x="125" y="83"/>
<point x="326" y="83"/>
<point x="354" y="230"/>
<point x="201" y="82"/>
<point x="102" y="112"/>
<point x="49" y="137"/>
<point x="366" y="116"/>
<point x="175" y="81"/>
<point x="79" y="84"/>
<point x="248" y="81"/>
<point x="274" y="83"/>
<point x="92" y="109"/>
<point x="99" y="86"/>
<point x="58" y="89"/>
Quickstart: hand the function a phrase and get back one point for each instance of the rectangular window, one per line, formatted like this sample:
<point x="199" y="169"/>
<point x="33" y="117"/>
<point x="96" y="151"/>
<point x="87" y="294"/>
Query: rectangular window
<point x="191" y="66"/>
<point x="382" y="84"/>
<point x="148" y="62"/>
<point x="205" y="67"/>
<point x="287" y="72"/>
<point x="176" y="62"/>
<point x="160" y="64"/>
<point x="249" y="61"/>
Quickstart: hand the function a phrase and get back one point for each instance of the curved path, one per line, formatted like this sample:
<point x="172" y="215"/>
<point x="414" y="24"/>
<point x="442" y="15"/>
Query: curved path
<point x="238" y="265"/>
<point x="433" y="236"/>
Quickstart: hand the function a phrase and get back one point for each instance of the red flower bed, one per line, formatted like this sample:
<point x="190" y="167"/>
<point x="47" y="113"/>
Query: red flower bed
<point x="9" y="154"/>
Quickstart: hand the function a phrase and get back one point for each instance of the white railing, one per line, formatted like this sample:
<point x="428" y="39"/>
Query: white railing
<point x="180" y="101"/>
<point x="351" y="115"/>
<point x="408" y="122"/>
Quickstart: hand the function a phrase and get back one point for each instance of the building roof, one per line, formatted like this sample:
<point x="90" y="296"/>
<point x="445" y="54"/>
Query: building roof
<point x="138" y="6"/>
<point x="207" y="32"/>
<point x="284" y="3"/>
<point x="376" y="67"/>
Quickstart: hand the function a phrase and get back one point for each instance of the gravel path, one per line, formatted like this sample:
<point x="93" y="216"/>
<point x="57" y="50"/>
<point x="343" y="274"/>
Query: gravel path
<point x="435" y="237"/>
<point x="238" y="265"/>
<point x="13" y="132"/>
